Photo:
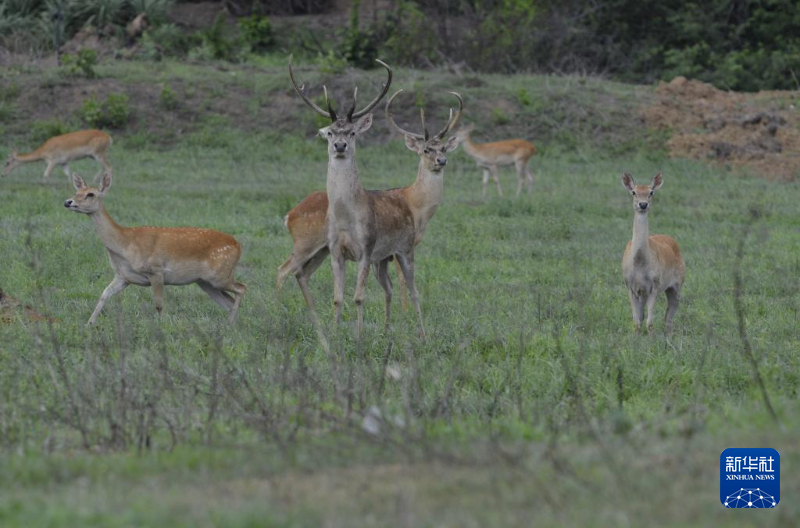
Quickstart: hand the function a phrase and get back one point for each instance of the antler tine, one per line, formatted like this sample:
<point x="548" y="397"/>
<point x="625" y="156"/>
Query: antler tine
<point x="352" y="108"/>
<point x="332" y="112"/>
<point x="390" y="119"/>
<point x="422" y="118"/>
<point x="453" y="121"/>
<point x="381" y="95"/>
<point x="305" y="98"/>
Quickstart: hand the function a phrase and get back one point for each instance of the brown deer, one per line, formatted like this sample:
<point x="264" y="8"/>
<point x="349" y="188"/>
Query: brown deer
<point x="306" y="222"/>
<point x="368" y="227"/>
<point x="60" y="150"/>
<point x="158" y="256"/>
<point x="489" y="156"/>
<point x="652" y="263"/>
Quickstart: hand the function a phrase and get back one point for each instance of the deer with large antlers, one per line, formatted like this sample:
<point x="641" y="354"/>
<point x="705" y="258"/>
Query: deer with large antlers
<point x="159" y="256"/>
<point x="368" y="227"/>
<point x="306" y="222"/>
<point x="61" y="150"/>
<point x="651" y="264"/>
<point x="490" y="156"/>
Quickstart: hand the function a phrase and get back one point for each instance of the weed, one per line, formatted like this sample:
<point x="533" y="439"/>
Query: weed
<point x="168" y="100"/>
<point x="81" y="64"/>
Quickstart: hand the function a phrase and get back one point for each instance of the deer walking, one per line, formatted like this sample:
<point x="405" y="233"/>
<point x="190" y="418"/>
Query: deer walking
<point x="306" y="221"/>
<point x="490" y="156"/>
<point x="368" y="227"/>
<point x="60" y="150"/>
<point x="652" y="263"/>
<point x="158" y="256"/>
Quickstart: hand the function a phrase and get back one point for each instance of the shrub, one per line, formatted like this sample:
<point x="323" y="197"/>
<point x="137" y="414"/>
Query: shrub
<point x="81" y="64"/>
<point x="331" y="63"/>
<point x="114" y="112"/>
<point x="256" y="32"/>
<point x="168" y="99"/>
<point x="358" y="47"/>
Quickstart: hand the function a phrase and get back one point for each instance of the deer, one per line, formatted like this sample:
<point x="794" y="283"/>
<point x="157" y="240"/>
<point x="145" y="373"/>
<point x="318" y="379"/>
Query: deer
<point x="651" y="264"/>
<point x="61" y="150"/>
<point x="306" y="221"/>
<point x="489" y="156"/>
<point x="367" y="227"/>
<point x="159" y="256"/>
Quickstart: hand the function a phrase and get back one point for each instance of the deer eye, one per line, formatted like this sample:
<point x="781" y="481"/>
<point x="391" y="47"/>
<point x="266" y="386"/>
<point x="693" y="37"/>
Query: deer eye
<point x="427" y="151"/>
<point x="633" y="193"/>
<point x="352" y="134"/>
<point x="90" y="195"/>
<point x="330" y="134"/>
<point x="651" y="193"/>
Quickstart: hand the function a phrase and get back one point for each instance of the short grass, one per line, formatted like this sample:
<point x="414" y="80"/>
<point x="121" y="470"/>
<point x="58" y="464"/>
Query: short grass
<point x="531" y="402"/>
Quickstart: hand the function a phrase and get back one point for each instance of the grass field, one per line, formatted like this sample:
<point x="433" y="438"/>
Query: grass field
<point x="531" y="402"/>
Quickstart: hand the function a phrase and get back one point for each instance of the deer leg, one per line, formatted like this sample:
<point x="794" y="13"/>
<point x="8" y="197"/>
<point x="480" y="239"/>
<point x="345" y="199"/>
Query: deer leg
<point x="302" y="280"/>
<point x="361" y="287"/>
<point x="651" y="304"/>
<point x="382" y="274"/>
<point x="238" y="290"/>
<point x="529" y="178"/>
<point x="65" y="167"/>
<point x="106" y="167"/>
<point x="50" y="166"/>
<point x="403" y="289"/>
<point x="673" y="299"/>
<point x="485" y="181"/>
<point x="407" y="265"/>
<point x="116" y="286"/>
<point x="218" y="296"/>
<point x="496" y="179"/>
<point x="520" y="166"/>
<point x="339" y="277"/>
<point x="157" y="282"/>
<point x="637" y="308"/>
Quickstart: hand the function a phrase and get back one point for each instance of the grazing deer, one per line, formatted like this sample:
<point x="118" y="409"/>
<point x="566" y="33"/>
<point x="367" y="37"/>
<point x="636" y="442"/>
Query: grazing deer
<point x="489" y="156"/>
<point x="306" y="222"/>
<point x="368" y="227"/>
<point x="651" y="264"/>
<point x="158" y="256"/>
<point x="60" y="150"/>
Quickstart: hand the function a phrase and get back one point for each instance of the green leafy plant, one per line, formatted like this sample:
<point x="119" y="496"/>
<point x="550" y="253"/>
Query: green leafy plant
<point x="256" y="32"/>
<point x="114" y="112"/>
<point x="168" y="100"/>
<point x="81" y="63"/>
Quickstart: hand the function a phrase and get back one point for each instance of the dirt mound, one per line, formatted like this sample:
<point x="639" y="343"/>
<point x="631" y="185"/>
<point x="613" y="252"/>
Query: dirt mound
<point x="760" y="131"/>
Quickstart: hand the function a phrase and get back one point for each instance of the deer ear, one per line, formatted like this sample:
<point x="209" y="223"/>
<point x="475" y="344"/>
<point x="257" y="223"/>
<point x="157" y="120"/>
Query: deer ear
<point x="655" y="184"/>
<point x="106" y="183"/>
<point x="451" y="144"/>
<point x="323" y="132"/>
<point x="78" y="182"/>
<point x="628" y="182"/>
<point x="363" y="124"/>
<point x="411" y="143"/>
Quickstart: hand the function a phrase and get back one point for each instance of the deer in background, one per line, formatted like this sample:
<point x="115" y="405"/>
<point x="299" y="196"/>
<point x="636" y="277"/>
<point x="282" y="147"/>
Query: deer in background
<point x="368" y="227"/>
<point x="306" y="221"/>
<point x="158" y="256"/>
<point x="60" y="150"/>
<point x="489" y="156"/>
<point x="652" y="263"/>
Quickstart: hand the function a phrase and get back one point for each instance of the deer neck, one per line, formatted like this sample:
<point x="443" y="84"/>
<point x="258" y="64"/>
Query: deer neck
<point x="30" y="156"/>
<point x="471" y="148"/>
<point x="344" y="188"/>
<point x="111" y="234"/>
<point x="425" y="195"/>
<point x="640" y="246"/>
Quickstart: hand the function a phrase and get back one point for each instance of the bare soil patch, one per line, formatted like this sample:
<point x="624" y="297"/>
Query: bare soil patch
<point x="758" y="131"/>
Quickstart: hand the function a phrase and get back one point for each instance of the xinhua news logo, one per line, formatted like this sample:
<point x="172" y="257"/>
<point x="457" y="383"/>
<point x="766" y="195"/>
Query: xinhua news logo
<point x="750" y="478"/>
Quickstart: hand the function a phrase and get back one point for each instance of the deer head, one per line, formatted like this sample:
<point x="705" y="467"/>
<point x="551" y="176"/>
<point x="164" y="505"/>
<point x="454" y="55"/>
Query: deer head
<point x="642" y="194"/>
<point x="11" y="162"/>
<point x="343" y="131"/>
<point x="432" y="150"/>
<point x="87" y="200"/>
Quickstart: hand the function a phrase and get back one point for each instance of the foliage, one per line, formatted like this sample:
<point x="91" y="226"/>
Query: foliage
<point x="81" y="63"/>
<point x="217" y="43"/>
<point x="359" y="47"/>
<point x="41" y="131"/>
<point x="167" y="99"/>
<point x="256" y="32"/>
<point x="114" y="112"/>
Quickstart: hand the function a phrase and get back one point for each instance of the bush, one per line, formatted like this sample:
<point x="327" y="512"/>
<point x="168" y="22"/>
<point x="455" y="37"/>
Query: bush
<point x="168" y="99"/>
<point x="114" y="112"/>
<point x="81" y="64"/>
<point x="256" y="32"/>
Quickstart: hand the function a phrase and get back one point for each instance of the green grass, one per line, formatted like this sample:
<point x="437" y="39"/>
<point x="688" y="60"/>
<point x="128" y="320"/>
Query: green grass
<point x="532" y="401"/>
